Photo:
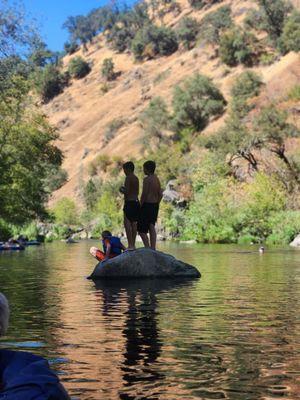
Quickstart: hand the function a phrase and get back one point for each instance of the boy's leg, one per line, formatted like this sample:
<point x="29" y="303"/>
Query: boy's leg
<point x="145" y="239"/>
<point x="134" y="232"/>
<point x="152" y="232"/>
<point x="128" y="230"/>
<point x="98" y="254"/>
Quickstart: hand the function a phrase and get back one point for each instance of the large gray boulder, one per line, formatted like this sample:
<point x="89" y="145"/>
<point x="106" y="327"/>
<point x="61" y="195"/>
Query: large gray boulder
<point x="144" y="263"/>
<point x="296" y="241"/>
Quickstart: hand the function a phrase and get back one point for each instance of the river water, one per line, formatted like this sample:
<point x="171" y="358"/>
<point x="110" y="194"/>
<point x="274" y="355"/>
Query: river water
<point x="233" y="334"/>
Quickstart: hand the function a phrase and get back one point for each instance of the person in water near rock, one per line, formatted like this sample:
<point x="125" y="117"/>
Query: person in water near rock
<point x="23" y="375"/>
<point x="150" y="199"/>
<point x="131" y="203"/>
<point x="112" y="247"/>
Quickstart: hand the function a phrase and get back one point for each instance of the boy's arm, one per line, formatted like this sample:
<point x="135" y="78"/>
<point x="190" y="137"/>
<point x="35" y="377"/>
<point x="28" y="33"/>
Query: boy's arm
<point x="123" y="247"/>
<point x="160" y="191"/>
<point x="145" y="191"/>
<point x="108" y="250"/>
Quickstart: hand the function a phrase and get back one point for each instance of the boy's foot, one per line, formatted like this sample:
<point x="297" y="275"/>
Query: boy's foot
<point x="130" y="249"/>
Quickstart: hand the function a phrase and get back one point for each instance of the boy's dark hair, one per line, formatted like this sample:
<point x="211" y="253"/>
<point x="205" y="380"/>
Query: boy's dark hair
<point x="150" y="166"/>
<point x="129" y="166"/>
<point x="106" y="234"/>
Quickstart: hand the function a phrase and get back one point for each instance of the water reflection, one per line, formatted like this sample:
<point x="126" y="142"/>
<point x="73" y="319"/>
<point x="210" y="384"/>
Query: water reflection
<point x="234" y="334"/>
<point x="143" y="343"/>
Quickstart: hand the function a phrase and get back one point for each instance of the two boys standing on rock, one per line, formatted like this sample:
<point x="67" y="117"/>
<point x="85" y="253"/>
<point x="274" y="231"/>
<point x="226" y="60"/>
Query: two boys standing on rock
<point x="141" y="216"/>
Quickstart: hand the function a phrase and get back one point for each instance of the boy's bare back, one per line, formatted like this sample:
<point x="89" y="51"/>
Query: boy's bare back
<point x="151" y="190"/>
<point x="131" y="188"/>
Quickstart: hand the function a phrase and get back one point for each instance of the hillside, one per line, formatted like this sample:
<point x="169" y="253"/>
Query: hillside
<point x="82" y="112"/>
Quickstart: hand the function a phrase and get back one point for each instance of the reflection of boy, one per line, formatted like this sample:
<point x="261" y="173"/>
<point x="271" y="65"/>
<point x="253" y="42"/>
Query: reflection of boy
<point x="131" y="206"/>
<point x="112" y="247"/>
<point x="150" y="199"/>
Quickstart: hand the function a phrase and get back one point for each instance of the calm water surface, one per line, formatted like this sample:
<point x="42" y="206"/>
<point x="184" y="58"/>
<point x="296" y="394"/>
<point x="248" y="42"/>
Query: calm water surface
<point x="233" y="334"/>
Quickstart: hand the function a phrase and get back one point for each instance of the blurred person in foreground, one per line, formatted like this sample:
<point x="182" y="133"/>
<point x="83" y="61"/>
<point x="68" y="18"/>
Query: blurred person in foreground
<point x="25" y="376"/>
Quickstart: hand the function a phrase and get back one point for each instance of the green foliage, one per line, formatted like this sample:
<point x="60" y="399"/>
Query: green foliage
<point x="290" y="38"/>
<point x="91" y="193"/>
<point x="80" y="29"/>
<point x="112" y="128"/>
<point x="65" y="212"/>
<point x="153" y="40"/>
<point x="187" y="31"/>
<point x="78" y="68"/>
<point x="215" y="222"/>
<point x="255" y="19"/>
<point x="55" y="178"/>
<point x="195" y="102"/>
<point x="294" y="93"/>
<point x="238" y="47"/>
<point x="284" y="227"/>
<point x="41" y="55"/>
<point x="109" y="214"/>
<point x="246" y="85"/>
<point x="16" y="34"/>
<point x="274" y="13"/>
<point x="71" y="47"/>
<point x="198" y="4"/>
<point x="5" y="230"/>
<point x="155" y="119"/>
<point x="49" y="82"/>
<point x="26" y="153"/>
<point x="107" y="69"/>
<point x="214" y="23"/>
<point x="30" y="230"/>
<point x="102" y="161"/>
<point x="267" y="58"/>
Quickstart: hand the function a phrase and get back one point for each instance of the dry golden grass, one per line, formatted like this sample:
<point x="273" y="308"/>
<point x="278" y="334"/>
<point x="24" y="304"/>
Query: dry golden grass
<point x="82" y="112"/>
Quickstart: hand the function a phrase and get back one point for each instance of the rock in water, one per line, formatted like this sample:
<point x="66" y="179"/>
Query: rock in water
<point x="296" y="241"/>
<point x="144" y="263"/>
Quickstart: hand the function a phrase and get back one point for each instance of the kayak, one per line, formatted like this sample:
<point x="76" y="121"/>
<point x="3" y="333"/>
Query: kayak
<point x="32" y="243"/>
<point x="11" y="248"/>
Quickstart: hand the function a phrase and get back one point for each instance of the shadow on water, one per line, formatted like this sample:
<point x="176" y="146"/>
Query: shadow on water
<point x="143" y="343"/>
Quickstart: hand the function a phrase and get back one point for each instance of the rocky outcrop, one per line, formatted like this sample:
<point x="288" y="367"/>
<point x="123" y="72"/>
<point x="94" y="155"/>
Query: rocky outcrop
<point x="144" y="263"/>
<point x="296" y="241"/>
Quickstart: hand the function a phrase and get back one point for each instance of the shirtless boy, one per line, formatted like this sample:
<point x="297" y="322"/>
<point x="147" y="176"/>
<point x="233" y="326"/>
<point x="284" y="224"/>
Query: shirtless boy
<point x="150" y="199"/>
<point x="131" y="205"/>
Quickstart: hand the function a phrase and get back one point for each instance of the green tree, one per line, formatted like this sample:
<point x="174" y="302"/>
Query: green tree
<point x="290" y="38"/>
<point x="187" y="31"/>
<point x="78" y="68"/>
<point x="107" y="70"/>
<point x="152" y="40"/>
<point x="195" y="102"/>
<point x="41" y="55"/>
<point x="71" y="47"/>
<point x="238" y="48"/>
<point x="275" y="13"/>
<point x="247" y="85"/>
<point x="214" y="23"/>
<point x="155" y="118"/>
<point x="27" y="140"/>
<point x="50" y="82"/>
<point x="26" y="153"/>
<point x="272" y="130"/>
<point x="65" y="212"/>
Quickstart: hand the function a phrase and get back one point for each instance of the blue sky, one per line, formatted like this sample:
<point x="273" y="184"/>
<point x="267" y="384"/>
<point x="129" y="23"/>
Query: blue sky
<point x="51" y="14"/>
